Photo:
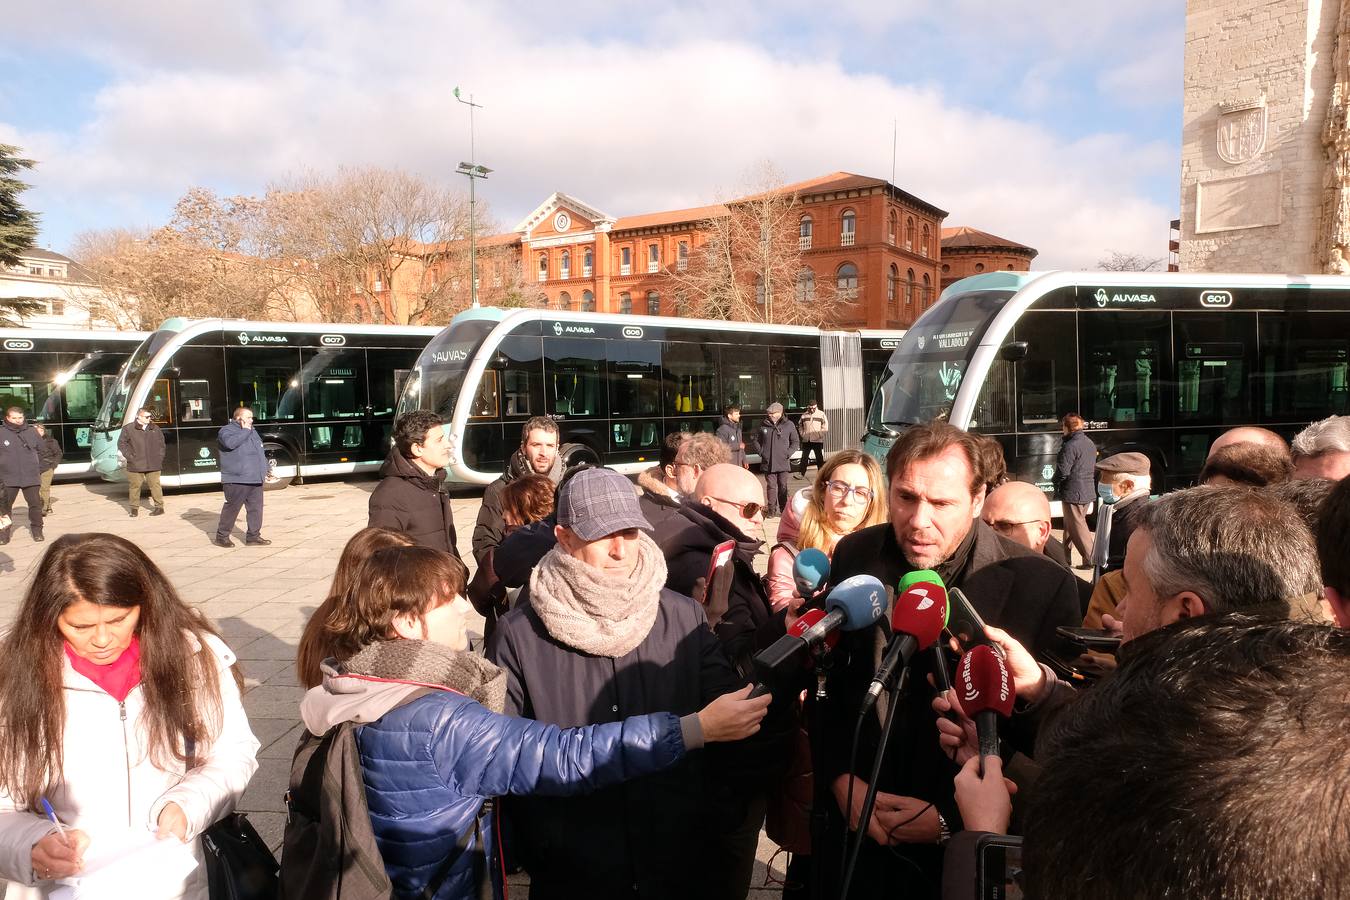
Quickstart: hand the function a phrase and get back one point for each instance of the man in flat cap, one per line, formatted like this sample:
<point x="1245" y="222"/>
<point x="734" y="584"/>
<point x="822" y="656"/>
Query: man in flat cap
<point x="1123" y="488"/>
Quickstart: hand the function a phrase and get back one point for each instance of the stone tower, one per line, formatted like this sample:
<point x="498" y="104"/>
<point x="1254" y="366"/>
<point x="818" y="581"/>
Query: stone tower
<point x="1265" y="157"/>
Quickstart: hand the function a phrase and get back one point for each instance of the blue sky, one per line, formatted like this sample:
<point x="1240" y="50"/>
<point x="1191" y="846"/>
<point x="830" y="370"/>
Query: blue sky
<point x="1054" y="126"/>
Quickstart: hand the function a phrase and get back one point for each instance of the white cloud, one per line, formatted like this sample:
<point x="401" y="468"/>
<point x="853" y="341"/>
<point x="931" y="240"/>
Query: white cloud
<point x="628" y="125"/>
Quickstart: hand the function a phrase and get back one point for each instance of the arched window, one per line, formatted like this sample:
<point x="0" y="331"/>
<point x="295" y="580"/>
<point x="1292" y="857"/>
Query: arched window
<point x="893" y="227"/>
<point x="892" y="284"/>
<point x="543" y="267"/>
<point x="587" y="301"/>
<point x="804" y="234"/>
<point x="588" y="263"/>
<point x="653" y="303"/>
<point x="682" y="259"/>
<point x="564" y="300"/>
<point x="626" y="303"/>
<point x="909" y="232"/>
<point x="806" y="286"/>
<point x="909" y="286"/>
<point x="848" y="227"/>
<point x="846" y="281"/>
<point x="924" y="247"/>
<point x="566" y="271"/>
<point x="927" y="290"/>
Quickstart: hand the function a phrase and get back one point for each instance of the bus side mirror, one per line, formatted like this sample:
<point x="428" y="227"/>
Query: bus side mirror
<point x="1014" y="351"/>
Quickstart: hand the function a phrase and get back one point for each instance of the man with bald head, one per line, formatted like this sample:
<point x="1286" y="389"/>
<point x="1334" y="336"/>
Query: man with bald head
<point x="1020" y="512"/>
<point x="1249" y="434"/>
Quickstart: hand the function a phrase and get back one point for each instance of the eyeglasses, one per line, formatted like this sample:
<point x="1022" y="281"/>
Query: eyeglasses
<point x="748" y="510"/>
<point x="841" y="489"/>
<point x="1004" y="527"/>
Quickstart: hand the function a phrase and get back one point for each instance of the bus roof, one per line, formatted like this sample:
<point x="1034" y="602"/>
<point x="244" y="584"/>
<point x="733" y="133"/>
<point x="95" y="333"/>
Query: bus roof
<point x="523" y="314"/>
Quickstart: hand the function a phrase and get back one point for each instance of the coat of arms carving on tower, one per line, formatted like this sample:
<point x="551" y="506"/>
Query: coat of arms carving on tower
<point x="1242" y="130"/>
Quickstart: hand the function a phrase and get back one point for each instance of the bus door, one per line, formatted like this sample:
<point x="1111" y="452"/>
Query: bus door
<point x="80" y="398"/>
<point x="339" y="427"/>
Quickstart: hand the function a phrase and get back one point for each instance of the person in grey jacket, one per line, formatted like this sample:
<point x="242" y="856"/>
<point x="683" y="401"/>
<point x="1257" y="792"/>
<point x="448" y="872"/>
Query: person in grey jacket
<point x="142" y="446"/>
<point x="1075" y="485"/>
<point x="778" y="440"/>
<point x="243" y="469"/>
<point x="20" y="470"/>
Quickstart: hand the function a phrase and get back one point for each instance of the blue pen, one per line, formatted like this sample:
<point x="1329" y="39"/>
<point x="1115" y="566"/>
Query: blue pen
<point x="51" y="814"/>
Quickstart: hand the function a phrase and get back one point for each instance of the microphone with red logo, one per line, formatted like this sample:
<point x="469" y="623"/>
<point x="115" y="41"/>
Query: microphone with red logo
<point x="986" y="689"/>
<point x="917" y="619"/>
<point x="855" y="603"/>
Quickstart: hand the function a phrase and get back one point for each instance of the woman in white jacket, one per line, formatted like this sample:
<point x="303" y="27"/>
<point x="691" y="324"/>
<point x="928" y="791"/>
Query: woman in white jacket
<point x="120" y="706"/>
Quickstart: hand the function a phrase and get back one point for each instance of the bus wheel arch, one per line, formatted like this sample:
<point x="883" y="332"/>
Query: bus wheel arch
<point x="575" y="453"/>
<point x="280" y="454"/>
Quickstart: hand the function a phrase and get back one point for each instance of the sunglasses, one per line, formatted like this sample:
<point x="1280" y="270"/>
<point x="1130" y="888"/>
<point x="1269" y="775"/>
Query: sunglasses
<point x="748" y="510"/>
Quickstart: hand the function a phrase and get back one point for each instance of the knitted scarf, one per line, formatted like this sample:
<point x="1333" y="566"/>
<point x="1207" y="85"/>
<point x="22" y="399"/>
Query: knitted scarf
<point x="430" y="663"/>
<point x="596" y="612"/>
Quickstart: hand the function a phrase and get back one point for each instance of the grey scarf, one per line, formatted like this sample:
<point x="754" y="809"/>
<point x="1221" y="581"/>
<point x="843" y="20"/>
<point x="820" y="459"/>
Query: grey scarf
<point x="431" y="663"/>
<point x="593" y="611"/>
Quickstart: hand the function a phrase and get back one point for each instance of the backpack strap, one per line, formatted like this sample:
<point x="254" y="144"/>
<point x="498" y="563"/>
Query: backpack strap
<point x="481" y="881"/>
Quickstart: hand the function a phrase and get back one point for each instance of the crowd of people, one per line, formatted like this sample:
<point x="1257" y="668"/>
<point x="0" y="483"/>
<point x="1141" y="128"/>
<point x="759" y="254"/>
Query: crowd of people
<point x="613" y="737"/>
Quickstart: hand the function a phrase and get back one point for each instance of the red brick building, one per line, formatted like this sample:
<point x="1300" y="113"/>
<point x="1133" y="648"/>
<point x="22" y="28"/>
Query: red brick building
<point x="875" y="244"/>
<point x="968" y="251"/>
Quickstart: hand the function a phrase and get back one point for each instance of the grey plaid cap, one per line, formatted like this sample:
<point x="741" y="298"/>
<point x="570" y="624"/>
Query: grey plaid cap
<point x="599" y="502"/>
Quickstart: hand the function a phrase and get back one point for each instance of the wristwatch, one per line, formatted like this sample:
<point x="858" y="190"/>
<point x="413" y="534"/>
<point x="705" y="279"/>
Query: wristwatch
<point x="944" y="833"/>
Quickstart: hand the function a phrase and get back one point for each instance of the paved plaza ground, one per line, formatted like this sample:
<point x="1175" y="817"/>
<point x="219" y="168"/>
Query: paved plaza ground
<point x="259" y="597"/>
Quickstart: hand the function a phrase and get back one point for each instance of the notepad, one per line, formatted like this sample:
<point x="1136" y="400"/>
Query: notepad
<point x="129" y="864"/>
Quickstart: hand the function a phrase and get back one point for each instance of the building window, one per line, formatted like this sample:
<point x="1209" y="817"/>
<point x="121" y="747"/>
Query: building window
<point x="909" y="233"/>
<point x="846" y="281"/>
<point x="806" y="286"/>
<point x="892" y="227"/>
<point x="946" y="268"/>
<point x="653" y="303"/>
<point x="588" y="263"/>
<point x="35" y="270"/>
<point x="892" y="284"/>
<point x="804" y="234"/>
<point x="358" y="313"/>
<point x="909" y="286"/>
<point x="979" y="267"/>
<point x="564" y="300"/>
<point x="653" y="257"/>
<point x="58" y="307"/>
<point x="587" y="301"/>
<point x="625" y="261"/>
<point x="626" y="303"/>
<point x="927" y="290"/>
<point x="927" y="236"/>
<point x="848" y="228"/>
<point x="566" y="271"/>
<point x="682" y="258"/>
<point x="543" y="267"/>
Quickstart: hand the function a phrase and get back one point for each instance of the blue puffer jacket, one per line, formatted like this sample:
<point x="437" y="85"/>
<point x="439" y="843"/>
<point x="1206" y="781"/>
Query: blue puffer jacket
<point x="430" y="764"/>
<point x="242" y="460"/>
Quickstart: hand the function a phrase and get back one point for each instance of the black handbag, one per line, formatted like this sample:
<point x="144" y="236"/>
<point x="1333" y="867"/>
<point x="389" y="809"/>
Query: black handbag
<point x="238" y="864"/>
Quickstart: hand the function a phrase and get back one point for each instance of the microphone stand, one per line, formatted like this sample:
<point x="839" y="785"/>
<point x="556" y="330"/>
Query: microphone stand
<point x="820" y="790"/>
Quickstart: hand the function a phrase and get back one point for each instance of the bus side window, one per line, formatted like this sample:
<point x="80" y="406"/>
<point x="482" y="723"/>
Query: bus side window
<point x="690" y="372"/>
<point x="1124" y="366"/>
<point x="575" y="370"/>
<point x="1305" y="365"/>
<point x="1047" y="382"/>
<point x="484" y="405"/>
<point x="194" y="400"/>
<point x="745" y="381"/>
<point x="265" y="380"/>
<point x="160" y="401"/>
<point x="522" y="385"/>
<point x="796" y="378"/>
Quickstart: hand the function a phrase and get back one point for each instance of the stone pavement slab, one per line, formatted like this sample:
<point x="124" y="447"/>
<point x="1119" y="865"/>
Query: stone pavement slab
<point x="259" y="597"/>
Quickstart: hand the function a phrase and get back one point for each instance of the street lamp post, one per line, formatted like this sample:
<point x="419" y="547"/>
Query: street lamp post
<point x="473" y="171"/>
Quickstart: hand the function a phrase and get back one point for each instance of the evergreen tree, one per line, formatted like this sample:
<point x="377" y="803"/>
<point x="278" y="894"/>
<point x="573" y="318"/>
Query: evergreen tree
<point x="18" y="226"/>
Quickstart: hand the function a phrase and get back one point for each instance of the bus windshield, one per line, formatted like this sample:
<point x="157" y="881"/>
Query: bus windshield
<point x="441" y="368"/>
<point x="926" y="369"/>
<point x="115" y="404"/>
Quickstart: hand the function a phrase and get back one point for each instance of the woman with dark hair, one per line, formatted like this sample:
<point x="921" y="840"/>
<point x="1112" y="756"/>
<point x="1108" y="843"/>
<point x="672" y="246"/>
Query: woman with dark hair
<point x="434" y="745"/>
<point x="119" y="707"/>
<point x="316" y="643"/>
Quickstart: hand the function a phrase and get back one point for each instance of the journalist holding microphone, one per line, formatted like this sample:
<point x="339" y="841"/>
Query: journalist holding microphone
<point x="937" y="486"/>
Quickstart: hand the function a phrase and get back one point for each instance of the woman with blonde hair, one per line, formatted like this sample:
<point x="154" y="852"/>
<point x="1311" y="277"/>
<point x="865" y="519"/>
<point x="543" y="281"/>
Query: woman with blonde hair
<point x="120" y="715"/>
<point x="317" y="642"/>
<point x="849" y="493"/>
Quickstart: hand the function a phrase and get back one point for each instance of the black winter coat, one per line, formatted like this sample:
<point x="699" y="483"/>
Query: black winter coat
<point x="1074" y="467"/>
<point x="490" y="528"/>
<point x="143" y="448"/>
<point x="20" y="456"/>
<point x="49" y="454"/>
<point x="729" y="433"/>
<point x="777" y="443"/>
<point x="1012" y="587"/>
<point x="521" y="550"/>
<point x="409" y="500"/>
<point x="647" y="833"/>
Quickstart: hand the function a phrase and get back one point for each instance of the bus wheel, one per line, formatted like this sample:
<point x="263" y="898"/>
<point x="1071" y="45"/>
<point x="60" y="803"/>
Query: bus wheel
<point x="574" y="454"/>
<point x="281" y="467"/>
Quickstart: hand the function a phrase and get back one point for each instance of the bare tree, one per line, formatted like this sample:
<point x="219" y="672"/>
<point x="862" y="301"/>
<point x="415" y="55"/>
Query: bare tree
<point x="1116" y="261"/>
<point x="750" y="266"/>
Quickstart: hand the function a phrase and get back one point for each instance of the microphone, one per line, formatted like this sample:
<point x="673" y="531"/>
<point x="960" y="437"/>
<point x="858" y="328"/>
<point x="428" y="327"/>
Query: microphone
<point x="941" y="672"/>
<point x="916" y="622"/>
<point x="987" y="691"/>
<point x="855" y="603"/>
<point x="810" y="572"/>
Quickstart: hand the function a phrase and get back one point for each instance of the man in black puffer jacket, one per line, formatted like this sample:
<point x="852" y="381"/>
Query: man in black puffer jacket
<point x="538" y="455"/>
<point x="20" y="470"/>
<point x="410" y="496"/>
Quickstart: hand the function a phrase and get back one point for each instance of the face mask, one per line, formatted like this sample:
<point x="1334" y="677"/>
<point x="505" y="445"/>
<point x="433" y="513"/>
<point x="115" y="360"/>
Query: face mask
<point x="1105" y="495"/>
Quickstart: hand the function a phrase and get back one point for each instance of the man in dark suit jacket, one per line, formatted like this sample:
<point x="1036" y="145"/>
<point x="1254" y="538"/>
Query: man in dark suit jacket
<point x="936" y="495"/>
<point x="1020" y="511"/>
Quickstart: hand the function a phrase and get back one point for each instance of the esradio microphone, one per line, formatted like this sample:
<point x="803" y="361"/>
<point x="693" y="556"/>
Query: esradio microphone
<point x="916" y="623"/>
<point x="810" y="573"/>
<point x="986" y="689"/>
<point x="855" y="603"/>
